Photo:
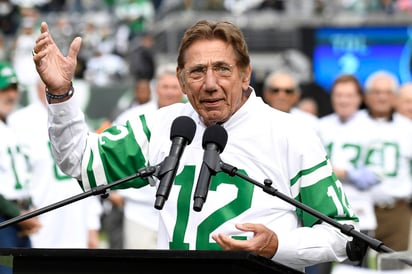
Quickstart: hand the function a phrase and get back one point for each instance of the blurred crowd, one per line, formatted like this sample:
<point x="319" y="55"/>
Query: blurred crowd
<point x="112" y="29"/>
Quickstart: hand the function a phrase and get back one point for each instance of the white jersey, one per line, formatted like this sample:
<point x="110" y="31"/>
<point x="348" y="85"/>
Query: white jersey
<point x="14" y="168"/>
<point x="343" y="142"/>
<point x="67" y="226"/>
<point x="389" y="153"/>
<point x="310" y="119"/>
<point x="263" y="143"/>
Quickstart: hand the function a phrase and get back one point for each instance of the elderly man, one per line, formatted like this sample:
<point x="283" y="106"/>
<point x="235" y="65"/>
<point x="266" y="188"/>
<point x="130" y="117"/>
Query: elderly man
<point x="214" y="70"/>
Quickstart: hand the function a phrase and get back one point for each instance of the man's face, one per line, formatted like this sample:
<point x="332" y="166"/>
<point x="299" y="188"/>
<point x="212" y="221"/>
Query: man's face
<point x="212" y="81"/>
<point x="345" y="99"/>
<point x="142" y="91"/>
<point x="281" y="93"/>
<point x="168" y="90"/>
<point x="380" y="99"/>
<point x="8" y="100"/>
<point x="404" y="101"/>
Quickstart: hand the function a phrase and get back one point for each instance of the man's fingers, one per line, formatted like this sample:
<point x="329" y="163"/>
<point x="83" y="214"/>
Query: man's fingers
<point x="247" y="227"/>
<point x="75" y="48"/>
<point x="44" y="27"/>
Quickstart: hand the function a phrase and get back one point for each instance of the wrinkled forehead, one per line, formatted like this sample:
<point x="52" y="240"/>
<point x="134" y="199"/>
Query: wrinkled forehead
<point x="209" y="52"/>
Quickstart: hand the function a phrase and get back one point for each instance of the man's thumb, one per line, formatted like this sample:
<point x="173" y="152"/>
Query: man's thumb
<point x="75" y="47"/>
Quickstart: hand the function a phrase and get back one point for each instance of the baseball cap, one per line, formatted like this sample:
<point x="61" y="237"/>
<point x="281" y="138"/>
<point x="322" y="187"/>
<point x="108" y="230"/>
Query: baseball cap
<point x="8" y="76"/>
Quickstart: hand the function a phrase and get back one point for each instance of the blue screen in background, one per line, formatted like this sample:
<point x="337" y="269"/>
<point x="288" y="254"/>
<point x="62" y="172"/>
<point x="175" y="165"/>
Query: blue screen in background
<point x="361" y="51"/>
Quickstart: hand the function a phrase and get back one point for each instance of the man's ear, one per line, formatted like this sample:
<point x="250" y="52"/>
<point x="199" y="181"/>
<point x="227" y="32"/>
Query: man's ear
<point x="181" y="79"/>
<point x="247" y="74"/>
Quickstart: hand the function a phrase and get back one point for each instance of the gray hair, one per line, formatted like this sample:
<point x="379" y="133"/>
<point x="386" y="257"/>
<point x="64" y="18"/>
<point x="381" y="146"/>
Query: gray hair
<point x="379" y="74"/>
<point x="276" y="73"/>
<point x="167" y="68"/>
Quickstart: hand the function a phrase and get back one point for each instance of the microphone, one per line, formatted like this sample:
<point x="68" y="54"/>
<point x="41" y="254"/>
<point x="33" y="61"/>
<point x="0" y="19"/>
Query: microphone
<point x="181" y="134"/>
<point x="213" y="142"/>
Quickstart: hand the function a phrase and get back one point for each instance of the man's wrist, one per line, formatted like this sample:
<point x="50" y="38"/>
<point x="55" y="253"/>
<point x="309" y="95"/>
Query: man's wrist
<point x="53" y="98"/>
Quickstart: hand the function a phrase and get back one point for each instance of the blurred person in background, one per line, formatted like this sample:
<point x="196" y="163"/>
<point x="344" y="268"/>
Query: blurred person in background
<point x="142" y="93"/>
<point x="75" y="225"/>
<point x="105" y="68"/>
<point x="137" y="15"/>
<point x="308" y="105"/>
<point x="343" y="135"/>
<point x="379" y="162"/>
<point x="140" y="231"/>
<point x="281" y="91"/>
<point x="404" y="100"/>
<point x="4" y="50"/>
<point x="14" y="170"/>
<point x="142" y="66"/>
<point x="141" y="57"/>
<point x="388" y="154"/>
<point x="21" y="57"/>
<point x="10" y="18"/>
<point x="166" y="92"/>
<point x="64" y="29"/>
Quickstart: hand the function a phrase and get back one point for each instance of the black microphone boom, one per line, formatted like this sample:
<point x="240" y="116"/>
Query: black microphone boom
<point x="181" y="133"/>
<point x="214" y="142"/>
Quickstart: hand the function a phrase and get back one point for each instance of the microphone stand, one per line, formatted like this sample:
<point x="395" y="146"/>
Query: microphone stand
<point x="99" y="190"/>
<point x="355" y="249"/>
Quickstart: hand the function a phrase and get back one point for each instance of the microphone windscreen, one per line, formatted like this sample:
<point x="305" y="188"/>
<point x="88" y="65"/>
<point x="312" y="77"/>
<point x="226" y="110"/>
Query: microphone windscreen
<point x="183" y="126"/>
<point x="215" y="134"/>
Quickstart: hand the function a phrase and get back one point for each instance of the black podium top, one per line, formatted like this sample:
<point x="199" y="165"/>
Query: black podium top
<point x="79" y="261"/>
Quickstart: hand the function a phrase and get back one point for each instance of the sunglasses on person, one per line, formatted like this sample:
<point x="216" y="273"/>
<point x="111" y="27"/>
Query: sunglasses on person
<point x="277" y="90"/>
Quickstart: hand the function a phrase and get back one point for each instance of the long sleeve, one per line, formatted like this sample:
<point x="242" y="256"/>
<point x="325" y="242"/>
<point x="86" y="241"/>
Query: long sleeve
<point x="302" y="246"/>
<point x="68" y="132"/>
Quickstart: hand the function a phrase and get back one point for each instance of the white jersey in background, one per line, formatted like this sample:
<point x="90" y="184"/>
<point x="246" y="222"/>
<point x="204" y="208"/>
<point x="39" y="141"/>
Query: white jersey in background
<point x="135" y="111"/>
<point x="308" y="118"/>
<point x="67" y="226"/>
<point x="14" y="169"/>
<point x="298" y="167"/>
<point x="139" y="200"/>
<point x="344" y="143"/>
<point x="389" y="153"/>
<point x="382" y="146"/>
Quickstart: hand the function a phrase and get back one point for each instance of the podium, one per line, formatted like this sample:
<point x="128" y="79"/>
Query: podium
<point x="125" y="261"/>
